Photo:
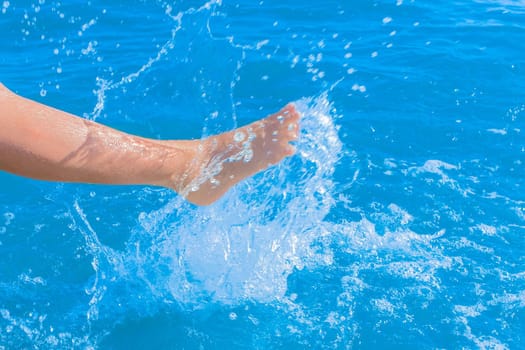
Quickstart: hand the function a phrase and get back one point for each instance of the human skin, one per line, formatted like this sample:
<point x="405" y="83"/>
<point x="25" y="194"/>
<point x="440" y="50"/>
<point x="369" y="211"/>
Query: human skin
<point x="45" y="143"/>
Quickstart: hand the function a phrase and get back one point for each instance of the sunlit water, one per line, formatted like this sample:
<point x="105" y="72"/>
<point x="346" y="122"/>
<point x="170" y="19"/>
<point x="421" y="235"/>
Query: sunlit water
<point x="399" y="223"/>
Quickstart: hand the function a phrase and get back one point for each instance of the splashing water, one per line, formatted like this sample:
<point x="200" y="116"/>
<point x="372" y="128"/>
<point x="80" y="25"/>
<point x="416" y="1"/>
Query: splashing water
<point x="244" y="247"/>
<point x="105" y="85"/>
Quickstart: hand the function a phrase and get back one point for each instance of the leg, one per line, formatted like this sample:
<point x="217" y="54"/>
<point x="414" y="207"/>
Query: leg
<point x="41" y="142"/>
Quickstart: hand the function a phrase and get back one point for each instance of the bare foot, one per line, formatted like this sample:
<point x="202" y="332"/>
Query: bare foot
<point x="228" y="158"/>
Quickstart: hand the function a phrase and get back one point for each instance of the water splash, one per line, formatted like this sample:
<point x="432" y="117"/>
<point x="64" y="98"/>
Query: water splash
<point x="105" y="85"/>
<point x="245" y="246"/>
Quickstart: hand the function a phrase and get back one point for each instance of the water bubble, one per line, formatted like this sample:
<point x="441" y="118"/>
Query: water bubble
<point x="360" y="88"/>
<point x="295" y="60"/>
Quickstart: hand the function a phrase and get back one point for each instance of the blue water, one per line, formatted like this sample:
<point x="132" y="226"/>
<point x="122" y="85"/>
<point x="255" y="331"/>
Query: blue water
<point x="399" y="224"/>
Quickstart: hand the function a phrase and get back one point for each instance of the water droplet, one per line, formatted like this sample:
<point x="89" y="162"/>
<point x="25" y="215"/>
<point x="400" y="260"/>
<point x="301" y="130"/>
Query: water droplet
<point x="248" y="155"/>
<point x="238" y="137"/>
<point x="251" y="136"/>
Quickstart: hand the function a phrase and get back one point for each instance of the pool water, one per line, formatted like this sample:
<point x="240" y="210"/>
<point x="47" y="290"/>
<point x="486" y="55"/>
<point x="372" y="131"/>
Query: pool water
<point x="399" y="223"/>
